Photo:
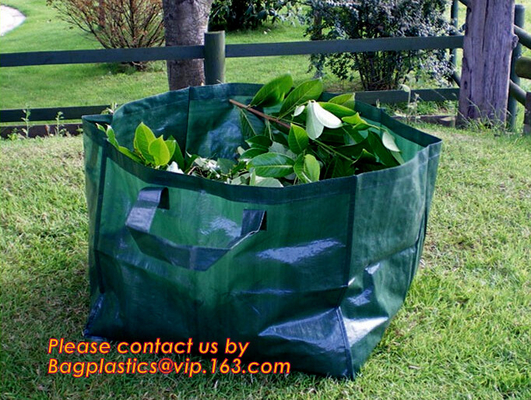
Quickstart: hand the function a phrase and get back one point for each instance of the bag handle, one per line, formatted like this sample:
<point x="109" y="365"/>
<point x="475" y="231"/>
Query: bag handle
<point x="196" y="258"/>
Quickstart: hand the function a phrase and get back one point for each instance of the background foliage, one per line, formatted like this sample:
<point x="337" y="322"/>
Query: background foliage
<point x="232" y="15"/>
<point x="116" y="23"/>
<point x="358" y="19"/>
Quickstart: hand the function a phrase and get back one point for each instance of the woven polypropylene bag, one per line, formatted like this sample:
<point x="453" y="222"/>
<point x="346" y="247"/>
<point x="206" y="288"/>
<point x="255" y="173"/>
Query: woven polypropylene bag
<point x="309" y="274"/>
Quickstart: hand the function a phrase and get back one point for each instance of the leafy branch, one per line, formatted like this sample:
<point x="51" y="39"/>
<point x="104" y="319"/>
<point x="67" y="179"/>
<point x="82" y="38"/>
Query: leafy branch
<point x="305" y="141"/>
<point x="323" y="139"/>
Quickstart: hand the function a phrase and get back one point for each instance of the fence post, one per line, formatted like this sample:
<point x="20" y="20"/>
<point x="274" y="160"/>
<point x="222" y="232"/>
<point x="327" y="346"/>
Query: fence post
<point x="454" y="18"/>
<point x="484" y="89"/>
<point x="519" y="20"/>
<point x="214" y="57"/>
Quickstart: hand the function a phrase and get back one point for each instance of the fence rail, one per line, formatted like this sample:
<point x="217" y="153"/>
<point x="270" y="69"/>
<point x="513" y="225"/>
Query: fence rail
<point x="231" y="51"/>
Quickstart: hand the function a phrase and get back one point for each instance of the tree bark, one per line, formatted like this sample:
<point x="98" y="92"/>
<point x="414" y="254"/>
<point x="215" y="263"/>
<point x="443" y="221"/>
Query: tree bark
<point x="487" y="47"/>
<point x="186" y="22"/>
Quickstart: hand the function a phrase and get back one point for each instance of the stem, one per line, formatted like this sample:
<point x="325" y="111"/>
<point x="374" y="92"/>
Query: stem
<point x="332" y="150"/>
<point x="260" y="114"/>
<point x="276" y="120"/>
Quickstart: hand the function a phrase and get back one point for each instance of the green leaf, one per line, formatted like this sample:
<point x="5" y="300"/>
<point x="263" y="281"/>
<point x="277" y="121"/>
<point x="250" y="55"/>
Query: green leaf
<point x="340" y="168"/>
<point x="326" y="118"/>
<point x="298" y="139"/>
<point x="307" y="168"/>
<point x="384" y="155"/>
<point x="309" y="90"/>
<point x="338" y="110"/>
<point x="333" y="137"/>
<point x="355" y="120"/>
<point x="272" y="165"/>
<point x="389" y="141"/>
<point x="263" y="182"/>
<point x="178" y="157"/>
<point x="346" y="100"/>
<point x="160" y="152"/>
<point x="299" y="110"/>
<point x="259" y="142"/>
<point x="367" y="162"/>
<point x="353" y="150"/>
<point x="273" y="92"/>
<point x="277" y="147"/>
<point x="398" y="157"/>
<point x="317" y="118"/>
<point x="268" y="182"/>
<point x="143" y="138"/>
<point x="129" y="154"/>
<point x="172" y="145"/>
<point x="252" y="153"/>
<point x="248" y="129"/>
<point x="352" y="133"/>
<point x="111" y="136"/>
<point x="225" y="165"/>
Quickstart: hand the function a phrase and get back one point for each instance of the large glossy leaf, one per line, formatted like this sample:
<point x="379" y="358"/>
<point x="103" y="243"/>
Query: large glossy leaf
<point x="259" y="142"/>
<point x="178" y="157"/>
<point x="252" y="153"/>
<point x="314" y="128"/>
<point x="298" y="139"/>
<point x="248" y="129"/>
<point x="339" y="167"/>
<point x="307" y="168"/>
<point x="281" y="149"/>
<point x="264" y="182"/>
<point x="389" y="141"/>
<point x="172" y="145"/>
<point x="273" y="92"/>
<point x="346" y="100"/>
<point x="318" y="118"/>
<point x="309" y="90"/>
<point x="383" y="154"/>
<point x="398" y="157"/>
<point x="143" y="139"/>
<point x="129" y="154"/>
<point x="352" y="133"/>
<point x="111" y="136"/>
<point x="337" y="109"/>
<point x="355" y="120"/>
<point x="272" y="165"/>
<point x="160" y="152"/>
<point x="354" y="150"/>
<point x="326" y="118"/>
<point x="299" y="110"/>
<point x="366" y="157"/>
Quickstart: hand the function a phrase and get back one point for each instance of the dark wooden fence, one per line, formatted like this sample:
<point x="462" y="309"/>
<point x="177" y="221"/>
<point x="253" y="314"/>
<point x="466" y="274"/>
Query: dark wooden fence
<point x="211" y="56"/>
<point x="516" y="93"/>
<point x="215" y="51"/>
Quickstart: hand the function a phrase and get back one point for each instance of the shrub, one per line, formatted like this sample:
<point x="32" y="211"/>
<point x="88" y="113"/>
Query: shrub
<point x="116" y="23"/>
<point x="377" y="19"/>
<point x="232" y="15"/>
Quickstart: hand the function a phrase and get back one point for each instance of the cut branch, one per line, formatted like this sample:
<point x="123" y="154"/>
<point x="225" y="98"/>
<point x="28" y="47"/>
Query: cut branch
<point x="260" y="114"/>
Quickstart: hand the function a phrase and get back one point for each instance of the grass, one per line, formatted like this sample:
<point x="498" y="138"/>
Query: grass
<point x="90" y="84"/>
<point x="463" y="333"/>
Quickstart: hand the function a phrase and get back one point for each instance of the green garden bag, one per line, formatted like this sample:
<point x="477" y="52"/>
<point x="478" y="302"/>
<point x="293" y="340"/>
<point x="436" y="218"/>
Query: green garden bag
<point x="309" y="274"/>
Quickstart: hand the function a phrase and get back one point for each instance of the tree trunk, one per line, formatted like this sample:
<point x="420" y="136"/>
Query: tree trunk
<point x="186" y="22"/>
<point x="487" y="47"/>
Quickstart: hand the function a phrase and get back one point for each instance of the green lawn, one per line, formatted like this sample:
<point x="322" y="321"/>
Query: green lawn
<point x="464" y="332"/>
<point x="90" y="84"/>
